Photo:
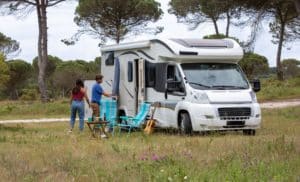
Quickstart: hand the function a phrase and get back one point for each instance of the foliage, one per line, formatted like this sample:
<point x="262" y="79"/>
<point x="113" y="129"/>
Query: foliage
<point x="195" y="12"/>
<point x="272" y="89"/>
<point x="29" y="95"/>
<point x="28" y="108"/>
<point x="67" y="72"/>
<point x="272" y="155"/>
<point x="19" y="71"/>
<point x="52" y="63"/>
<point x="254" y="65"/>
<point x="8" y="45"/>
<point x="283" y="21"/>
<point x="291" y="68"/>
<point x="23" y="8"/>
<point x="116" y="19"/>
<point x="4" y="72"/>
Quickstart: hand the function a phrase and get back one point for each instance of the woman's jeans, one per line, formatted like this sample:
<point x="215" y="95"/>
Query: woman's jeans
<point x="77" y="106"/>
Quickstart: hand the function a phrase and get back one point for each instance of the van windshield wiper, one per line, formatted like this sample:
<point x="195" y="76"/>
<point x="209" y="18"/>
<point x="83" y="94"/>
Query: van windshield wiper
<point x="228" y="86"/>
<point x="199" y="84"/>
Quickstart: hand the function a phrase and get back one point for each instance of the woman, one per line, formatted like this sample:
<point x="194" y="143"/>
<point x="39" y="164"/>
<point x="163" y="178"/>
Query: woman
<point x="77" y="104"/>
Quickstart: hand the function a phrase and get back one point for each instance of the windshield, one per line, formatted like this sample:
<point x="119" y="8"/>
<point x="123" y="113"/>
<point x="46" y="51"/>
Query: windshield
<point x="214" y="76"/>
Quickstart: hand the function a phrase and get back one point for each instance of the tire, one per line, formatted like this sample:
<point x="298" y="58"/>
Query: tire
<point x="249" y="132"/>
<point x="185" y="124"/>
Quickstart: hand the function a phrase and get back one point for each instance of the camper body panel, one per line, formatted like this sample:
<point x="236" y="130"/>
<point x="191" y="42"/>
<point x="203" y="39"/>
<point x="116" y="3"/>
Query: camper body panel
<point x="203" y="115"/>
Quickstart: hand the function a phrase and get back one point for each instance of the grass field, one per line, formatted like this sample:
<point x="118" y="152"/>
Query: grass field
<point x="45" y="152"/>
<point x="34" y="109"/>
<point x="272" y="89"/>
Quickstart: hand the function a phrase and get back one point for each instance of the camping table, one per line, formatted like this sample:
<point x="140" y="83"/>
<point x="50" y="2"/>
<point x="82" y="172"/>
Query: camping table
<point x="94" y="123"/>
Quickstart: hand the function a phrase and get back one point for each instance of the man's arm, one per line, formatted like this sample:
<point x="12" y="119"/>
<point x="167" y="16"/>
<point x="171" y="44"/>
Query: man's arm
<point x="106" y="94"/>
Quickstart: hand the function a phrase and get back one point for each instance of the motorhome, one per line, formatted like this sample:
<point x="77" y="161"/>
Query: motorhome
<point x="197" y="82"/>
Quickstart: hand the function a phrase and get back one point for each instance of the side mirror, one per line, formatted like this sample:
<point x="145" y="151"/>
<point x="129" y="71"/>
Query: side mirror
<point x="256" y="85"/>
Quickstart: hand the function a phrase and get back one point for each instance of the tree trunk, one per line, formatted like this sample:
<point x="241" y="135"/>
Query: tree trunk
<point x="297" y="4"/>
<point x="216" y="26"/>
<point x="42" y="49"/>
<point x="279" y="49"/>
<point x="227" y="24"/>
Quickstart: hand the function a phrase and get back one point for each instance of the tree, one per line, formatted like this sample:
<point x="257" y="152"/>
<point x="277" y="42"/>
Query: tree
<point x="22" y="6"/>
<point x="254" y="65"/>
<point x="115" y="19"/>
<point x="291" y="68"/>
<point x="284" y="23"/>
<point x="8" y="45"/>
<point x="4" y="72"/>
<point x="195" y="12"/>
<point x="52" y="63"/>
<point x="19" y="71"/>
<point x="67" y="72"/>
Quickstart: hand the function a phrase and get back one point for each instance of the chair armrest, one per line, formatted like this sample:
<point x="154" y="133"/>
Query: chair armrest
<point x="126" y="117"/>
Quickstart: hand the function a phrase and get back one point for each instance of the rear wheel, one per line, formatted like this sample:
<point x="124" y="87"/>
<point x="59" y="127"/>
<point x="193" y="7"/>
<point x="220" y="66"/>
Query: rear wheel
<point x="185" y="124"/>
<point x="249" y="132"/>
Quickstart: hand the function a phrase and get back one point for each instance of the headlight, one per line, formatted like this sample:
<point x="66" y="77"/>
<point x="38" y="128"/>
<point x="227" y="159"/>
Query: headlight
<point x="253" y="97"/>
<point x="201" y="98"/>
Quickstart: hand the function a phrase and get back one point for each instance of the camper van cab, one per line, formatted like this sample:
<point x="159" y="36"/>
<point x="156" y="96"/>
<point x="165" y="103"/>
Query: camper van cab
<point x="198" y="83"/>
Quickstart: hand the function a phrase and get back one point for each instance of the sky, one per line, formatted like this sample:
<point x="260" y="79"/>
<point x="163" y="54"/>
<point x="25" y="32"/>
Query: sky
<point x="61" y="26"/>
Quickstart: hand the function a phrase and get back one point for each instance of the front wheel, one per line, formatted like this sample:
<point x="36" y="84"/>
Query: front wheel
<point x="185" y="124"/>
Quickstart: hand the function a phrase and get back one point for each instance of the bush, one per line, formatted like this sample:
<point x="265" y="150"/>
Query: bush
<point x="29" y="94"/>
<point x="291" y="68"/>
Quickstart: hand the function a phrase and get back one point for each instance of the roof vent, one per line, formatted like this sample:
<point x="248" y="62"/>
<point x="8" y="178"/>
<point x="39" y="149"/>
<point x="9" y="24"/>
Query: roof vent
<point x="205" y="43"/>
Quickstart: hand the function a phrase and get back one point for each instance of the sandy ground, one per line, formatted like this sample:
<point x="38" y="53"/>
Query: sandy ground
<point x="266" y="105"/>
<point x="280" y="104"/>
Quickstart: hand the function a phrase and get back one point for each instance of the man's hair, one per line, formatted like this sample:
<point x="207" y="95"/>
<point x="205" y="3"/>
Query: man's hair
<point x="98" y="77"/>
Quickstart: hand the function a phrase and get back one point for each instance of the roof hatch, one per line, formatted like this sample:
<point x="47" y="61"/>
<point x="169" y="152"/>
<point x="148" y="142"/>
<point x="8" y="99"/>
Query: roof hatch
<point x="204" y="43"/>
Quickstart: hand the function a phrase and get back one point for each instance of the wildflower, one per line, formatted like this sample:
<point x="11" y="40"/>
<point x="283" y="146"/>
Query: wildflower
<point x="162" y="170"/>
<point x="155" y="157"/>
<point x="185" y="178"/>
<point x="170" y="179"/>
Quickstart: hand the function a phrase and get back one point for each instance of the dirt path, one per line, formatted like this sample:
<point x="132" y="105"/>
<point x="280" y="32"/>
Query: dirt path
<point x="280" y="104"/>
<point x="265" y="105"/>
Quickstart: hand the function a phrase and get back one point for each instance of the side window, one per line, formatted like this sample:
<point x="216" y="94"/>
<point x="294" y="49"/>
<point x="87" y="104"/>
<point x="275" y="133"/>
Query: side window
<point x="150" y="74"/>
<point x="130" y="71"/>
<point x="110" y="60"/>
<point x="173" y="74"/>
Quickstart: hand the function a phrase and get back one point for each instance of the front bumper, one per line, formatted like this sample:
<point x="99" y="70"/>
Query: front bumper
<point x="205" y="117"/>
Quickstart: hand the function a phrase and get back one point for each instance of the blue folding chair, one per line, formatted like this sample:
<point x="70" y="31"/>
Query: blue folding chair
<point x="110" y="113"/>
<point x="130" y="123"/>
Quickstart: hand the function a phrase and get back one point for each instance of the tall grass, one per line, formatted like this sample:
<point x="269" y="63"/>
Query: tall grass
<point x="272" y="89"/>
<point x="33" y="109"/>
<point x="45" y="152"/>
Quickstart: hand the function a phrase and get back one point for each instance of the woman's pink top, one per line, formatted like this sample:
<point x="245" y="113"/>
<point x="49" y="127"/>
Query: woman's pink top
<point x="78" y="96"/>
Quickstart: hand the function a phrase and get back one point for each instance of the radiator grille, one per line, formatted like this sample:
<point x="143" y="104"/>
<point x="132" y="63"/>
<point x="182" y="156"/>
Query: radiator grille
<point x="234" y="111"/>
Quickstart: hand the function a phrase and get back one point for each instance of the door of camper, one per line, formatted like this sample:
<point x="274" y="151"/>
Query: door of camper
<point x="135" y="85"/>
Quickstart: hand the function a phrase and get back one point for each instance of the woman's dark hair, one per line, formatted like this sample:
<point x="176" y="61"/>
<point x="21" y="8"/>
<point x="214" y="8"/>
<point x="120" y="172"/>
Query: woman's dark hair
<point x="79" y="85"/>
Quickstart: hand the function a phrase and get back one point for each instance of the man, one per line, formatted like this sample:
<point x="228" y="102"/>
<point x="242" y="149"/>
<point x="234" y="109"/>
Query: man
<point x="97" y="92"/>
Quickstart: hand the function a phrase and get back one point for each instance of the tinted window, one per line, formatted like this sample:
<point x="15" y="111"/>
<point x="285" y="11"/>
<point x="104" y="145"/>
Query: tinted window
<point x="130" y="71"/>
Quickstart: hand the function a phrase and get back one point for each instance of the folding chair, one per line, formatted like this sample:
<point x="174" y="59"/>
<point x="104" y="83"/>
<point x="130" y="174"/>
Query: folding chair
<point x="130" y="123"/>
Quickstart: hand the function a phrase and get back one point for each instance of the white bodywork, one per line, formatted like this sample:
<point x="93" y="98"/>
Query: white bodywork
<point x="201" y="105"/>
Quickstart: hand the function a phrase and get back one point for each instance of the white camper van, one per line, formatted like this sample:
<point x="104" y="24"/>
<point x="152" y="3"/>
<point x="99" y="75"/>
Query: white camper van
<point x="197" y="82"/>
